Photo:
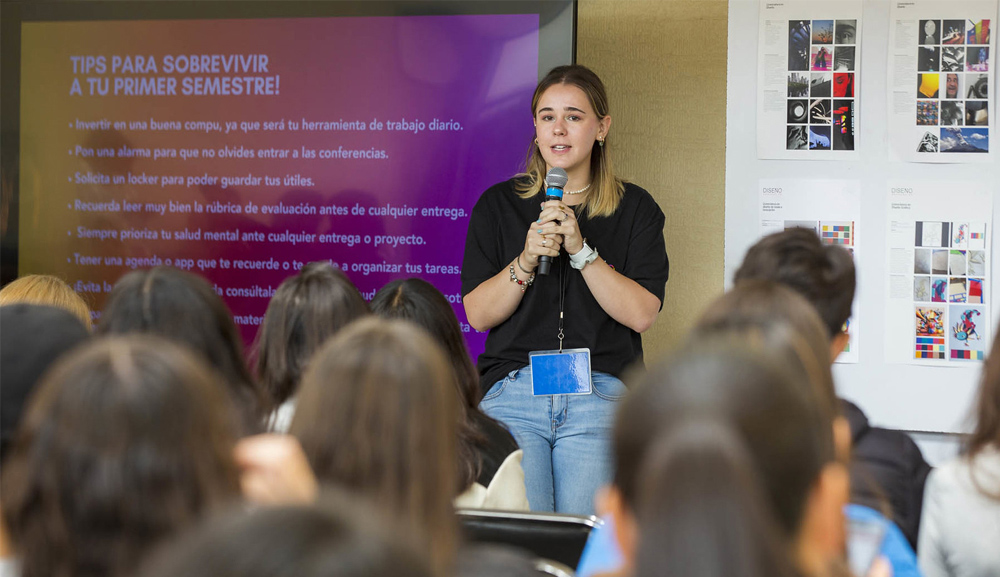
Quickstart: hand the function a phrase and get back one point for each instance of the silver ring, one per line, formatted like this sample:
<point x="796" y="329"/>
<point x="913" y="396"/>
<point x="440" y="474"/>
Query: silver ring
<point x="544" y="242"/>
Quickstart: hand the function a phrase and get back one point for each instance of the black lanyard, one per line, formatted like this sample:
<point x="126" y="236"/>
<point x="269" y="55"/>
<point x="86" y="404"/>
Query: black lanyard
<point x="562" y="300"/>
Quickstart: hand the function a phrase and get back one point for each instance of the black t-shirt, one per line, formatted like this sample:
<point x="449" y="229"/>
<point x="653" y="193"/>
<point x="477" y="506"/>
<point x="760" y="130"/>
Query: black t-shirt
<point x="630" y="240"/>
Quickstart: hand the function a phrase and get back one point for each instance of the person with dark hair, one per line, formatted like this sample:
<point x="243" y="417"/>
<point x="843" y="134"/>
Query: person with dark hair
<point x="960" y="527"/>
<point x="886" y="465"/>
<point x="597" y="303"/>
<point x="127" y="442"/>
<point x="702" y="510"/>
<point x="377" y="415"/>
<point x="33" y="338"/>
<point x="183" y="308"/>
<point x="771" y="322"/>
<point x="490" y="474"/>
<point x="737" y="380"/>
<point x="335" y="538"/>
<point x="305" y="311"/>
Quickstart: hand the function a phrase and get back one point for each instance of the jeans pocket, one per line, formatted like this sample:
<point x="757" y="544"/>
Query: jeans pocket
<point x="608" y="387"/>
<point x="497" y="389"/>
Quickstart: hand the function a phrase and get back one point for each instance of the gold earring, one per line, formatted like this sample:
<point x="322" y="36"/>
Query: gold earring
<point x="536" y="142"/>
<point x="600" y="142"/>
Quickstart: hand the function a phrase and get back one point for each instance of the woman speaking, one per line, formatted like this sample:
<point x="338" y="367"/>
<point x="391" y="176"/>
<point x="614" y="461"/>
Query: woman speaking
<point x="559" y="342"/>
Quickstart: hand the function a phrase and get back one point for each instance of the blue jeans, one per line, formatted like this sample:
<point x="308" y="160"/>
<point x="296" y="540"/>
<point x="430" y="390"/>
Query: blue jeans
<point x="566" y="439"/>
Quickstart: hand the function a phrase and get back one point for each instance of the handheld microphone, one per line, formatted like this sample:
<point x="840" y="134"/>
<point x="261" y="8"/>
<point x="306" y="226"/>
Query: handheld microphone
<point x="555" y="180"/>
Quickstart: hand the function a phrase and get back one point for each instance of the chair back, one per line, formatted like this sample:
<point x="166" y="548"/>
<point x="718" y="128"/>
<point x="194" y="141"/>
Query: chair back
<point x="555" y="536"/>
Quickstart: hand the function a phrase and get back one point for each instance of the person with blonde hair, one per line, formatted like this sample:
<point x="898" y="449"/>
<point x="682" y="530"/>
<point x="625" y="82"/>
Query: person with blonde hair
<point x="44" y="289"/>
<point x="596" y="304"/>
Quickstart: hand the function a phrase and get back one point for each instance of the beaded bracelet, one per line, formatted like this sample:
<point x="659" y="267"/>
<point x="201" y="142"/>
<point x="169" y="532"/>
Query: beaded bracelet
<point x="524" y="284"/>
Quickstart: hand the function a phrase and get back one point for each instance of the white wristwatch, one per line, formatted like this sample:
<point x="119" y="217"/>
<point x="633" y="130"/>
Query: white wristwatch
<point x="585" y="256"/>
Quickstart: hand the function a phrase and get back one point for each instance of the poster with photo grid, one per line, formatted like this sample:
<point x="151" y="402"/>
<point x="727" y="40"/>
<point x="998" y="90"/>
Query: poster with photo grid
<point x="939" y="280"/>
<point x="808" y="72"/>
<point x="941" y="68"/>
<point x="831" y="209"/>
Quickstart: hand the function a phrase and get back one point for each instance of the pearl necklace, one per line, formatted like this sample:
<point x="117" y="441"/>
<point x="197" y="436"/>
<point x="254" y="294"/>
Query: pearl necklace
<point x="584" y="189"/>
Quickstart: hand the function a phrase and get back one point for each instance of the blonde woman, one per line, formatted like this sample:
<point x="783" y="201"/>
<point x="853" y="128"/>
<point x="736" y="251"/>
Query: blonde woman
<point x="600" y="295"/>
<point x="43" y="289"/>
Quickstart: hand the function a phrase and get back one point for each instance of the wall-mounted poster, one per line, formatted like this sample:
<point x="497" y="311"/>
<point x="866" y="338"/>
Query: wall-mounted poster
<point x="808" y="67"/>
<point x="831" y="209"/>
<point x="940" y="73"/>
<point x="938" y="299"/>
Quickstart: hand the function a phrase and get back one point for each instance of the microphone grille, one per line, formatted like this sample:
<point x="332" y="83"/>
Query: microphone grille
<point x="556" y="178"/>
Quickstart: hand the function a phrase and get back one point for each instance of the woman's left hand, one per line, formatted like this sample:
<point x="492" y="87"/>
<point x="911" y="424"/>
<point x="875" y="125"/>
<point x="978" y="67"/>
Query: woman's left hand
<point x="557" y="218"/>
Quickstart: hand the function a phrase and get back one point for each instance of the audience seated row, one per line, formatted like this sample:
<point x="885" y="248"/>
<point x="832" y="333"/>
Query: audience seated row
<point x="139" y="451"/>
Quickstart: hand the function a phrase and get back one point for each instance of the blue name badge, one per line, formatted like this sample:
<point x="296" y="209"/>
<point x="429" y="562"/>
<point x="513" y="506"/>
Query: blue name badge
<point x="564" y="372"/>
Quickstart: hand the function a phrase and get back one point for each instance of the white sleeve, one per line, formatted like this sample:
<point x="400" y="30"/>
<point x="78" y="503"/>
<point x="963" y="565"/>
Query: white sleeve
<point x="932" y="550"/>
<point x="507" y="490"/>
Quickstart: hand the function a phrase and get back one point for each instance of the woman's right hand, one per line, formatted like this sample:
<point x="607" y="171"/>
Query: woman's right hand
<point x="537" y="244"/>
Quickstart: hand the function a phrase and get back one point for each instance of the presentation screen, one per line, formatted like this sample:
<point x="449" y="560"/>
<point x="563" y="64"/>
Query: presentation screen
<point x="241" y="148"/>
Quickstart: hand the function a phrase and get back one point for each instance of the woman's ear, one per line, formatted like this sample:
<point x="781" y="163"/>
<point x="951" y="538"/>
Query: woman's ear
<point x="611" y="505"/>
<point x="822" y="536"/>
<point x="842" y="439"/>
<point x="605" y="127"/>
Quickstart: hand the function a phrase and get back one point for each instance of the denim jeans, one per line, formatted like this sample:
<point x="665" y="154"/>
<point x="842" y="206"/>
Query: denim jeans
<point x="566" y="439"/>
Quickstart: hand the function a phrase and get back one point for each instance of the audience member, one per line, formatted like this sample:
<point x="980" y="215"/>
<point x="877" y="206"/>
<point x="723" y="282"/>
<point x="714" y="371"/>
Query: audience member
<point x="304" y="312"/>
<point x="960" y="529"/>
<point x="490" y="474"/>
<point x="773" y="323"/>
<point x="376" y="415"/>
<point x="33" y="338"/>
<point x="701" y="509"/>
<point x="43" y="289"/>
<point x="752" y="387"/>
<point x="332" y="539"/>
<point x="126" y="443"/>
<point x="184" y="308"/>
<point x="887" y="466"/>
<point x="761" y="303"/>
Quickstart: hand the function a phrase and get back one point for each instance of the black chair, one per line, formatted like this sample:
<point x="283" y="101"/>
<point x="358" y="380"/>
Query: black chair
<point x="553" y="536"/>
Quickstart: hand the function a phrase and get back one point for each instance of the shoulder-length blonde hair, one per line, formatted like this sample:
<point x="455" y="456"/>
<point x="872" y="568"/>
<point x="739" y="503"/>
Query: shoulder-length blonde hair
<point x="606" y="190"/>
<point x="43" y="289"/>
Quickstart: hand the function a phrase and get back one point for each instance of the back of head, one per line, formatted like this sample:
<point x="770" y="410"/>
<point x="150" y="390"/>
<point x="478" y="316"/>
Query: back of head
<point x="43" y="289"/>
<point x="304" y="312"/>
<point x="33" y="337"/>
<point x="418" y="302"/>
<point x="376" y="414"/>
<point x="701" y="509"/>
<point x="823" y="274"/>
<point x="753" y="391"/>
<point x="184" y="308"/>
<point x="770" y="316"/>
<point x="333" y="539"/>
<point x="126" y="442"/>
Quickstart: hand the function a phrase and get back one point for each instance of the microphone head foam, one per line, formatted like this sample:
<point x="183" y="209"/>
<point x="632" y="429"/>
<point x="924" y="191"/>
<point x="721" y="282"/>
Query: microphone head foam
<point x="556" y="178"/>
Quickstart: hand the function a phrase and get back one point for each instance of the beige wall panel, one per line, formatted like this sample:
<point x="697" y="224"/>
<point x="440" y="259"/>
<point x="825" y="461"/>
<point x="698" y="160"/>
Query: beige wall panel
<point x="664" y="64"/>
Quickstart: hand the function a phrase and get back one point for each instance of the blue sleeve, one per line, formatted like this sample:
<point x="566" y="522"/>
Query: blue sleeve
<point x="897" y="550"/>
<point x="601" y="553"/>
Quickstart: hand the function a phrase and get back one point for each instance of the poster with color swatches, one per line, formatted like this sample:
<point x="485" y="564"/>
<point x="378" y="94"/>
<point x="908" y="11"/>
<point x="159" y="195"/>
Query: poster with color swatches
<point x="938" y="262"/>
<point x="831" y="209"/>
